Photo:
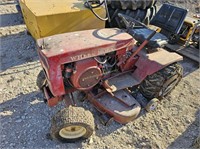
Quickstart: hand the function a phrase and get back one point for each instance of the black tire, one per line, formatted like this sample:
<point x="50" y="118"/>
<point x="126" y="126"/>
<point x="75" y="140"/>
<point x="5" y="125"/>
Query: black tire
<point x="41" y="79"/>
<point x="131" y="8"/>
<point x="130" y="4"/>
<point x="162" y="82"/>
<point x="72" y="117"/>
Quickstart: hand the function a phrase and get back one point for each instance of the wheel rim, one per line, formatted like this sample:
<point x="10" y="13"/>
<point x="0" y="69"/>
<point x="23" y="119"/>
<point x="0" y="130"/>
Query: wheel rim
<point x="153" y="106"/>
<point x="72" y="132"/>
<point x="169" y="87"/>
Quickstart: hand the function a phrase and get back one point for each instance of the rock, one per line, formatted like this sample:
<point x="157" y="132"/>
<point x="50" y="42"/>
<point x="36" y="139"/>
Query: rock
<point x="18" y="121"/>
<point x="90" y="141"/>
<point x="12" y="144"/>
<point x="143" y="144"/>
<point x="124" y="128"/>
<point x="188" y="121"/>
<point x="107" y="147"/>
<point x="97" y="126"/>
<point x="23" y="117"/>
<point x="3" y="136"/>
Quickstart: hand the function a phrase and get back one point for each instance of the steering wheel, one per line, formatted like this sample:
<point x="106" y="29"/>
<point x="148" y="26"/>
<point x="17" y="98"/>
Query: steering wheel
<point x="130" y="22"/>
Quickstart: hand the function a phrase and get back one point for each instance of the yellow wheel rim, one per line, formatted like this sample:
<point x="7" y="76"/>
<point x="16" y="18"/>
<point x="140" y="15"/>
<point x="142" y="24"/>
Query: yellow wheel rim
<point x="72" y="132"/>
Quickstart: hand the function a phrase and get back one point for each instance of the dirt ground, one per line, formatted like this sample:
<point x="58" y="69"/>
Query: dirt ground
<point x="25" y="119"/>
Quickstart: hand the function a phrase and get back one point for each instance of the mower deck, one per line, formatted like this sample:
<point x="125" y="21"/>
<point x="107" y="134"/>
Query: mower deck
<point x="122" y="106"/>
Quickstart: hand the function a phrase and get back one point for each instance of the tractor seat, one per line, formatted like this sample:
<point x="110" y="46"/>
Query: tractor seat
<point x="140" y="34"/>
<point x="169" y="19"/>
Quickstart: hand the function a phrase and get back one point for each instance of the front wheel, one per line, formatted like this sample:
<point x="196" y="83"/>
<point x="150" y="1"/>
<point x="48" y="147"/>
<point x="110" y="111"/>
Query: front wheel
<point x="41" y="80"/>
<point x="162" y="82"/>
<point x="72" y="124"/>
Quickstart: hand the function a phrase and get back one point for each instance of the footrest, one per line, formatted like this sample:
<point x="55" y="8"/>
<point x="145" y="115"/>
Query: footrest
<point x="120" y="82"/>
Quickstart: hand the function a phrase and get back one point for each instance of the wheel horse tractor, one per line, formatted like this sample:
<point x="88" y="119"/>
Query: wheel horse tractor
<point x="109" y="67"/>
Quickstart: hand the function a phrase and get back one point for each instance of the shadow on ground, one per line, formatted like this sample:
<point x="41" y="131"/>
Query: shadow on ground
<point x="187" y="139"/>
<point x="26" y="120"/>
<point x="189" y="66"/>
<point x="11" y="19"/>
<point x="17" y="49"/>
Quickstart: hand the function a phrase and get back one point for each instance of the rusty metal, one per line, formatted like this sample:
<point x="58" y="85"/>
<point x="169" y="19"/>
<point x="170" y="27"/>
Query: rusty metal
<point x="116" y="108"/>
<point x="51" y="101"/>
<point x="86" y="75"/>
<point x="107" y="92"/>
<point x="71" y="47"/>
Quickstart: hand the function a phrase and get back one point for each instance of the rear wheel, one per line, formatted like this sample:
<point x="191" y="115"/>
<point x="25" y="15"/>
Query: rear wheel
<point x="140" y="10"/>
<point x="131" y="4"/>
<point x="72" y="124"/>
<point x="162" y="82"/>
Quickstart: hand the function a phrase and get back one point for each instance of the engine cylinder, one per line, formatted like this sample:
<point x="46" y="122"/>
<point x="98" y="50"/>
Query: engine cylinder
<point x="86" y="75"/>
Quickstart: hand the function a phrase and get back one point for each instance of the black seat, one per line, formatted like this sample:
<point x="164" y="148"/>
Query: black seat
<point x="140" y="34"/>
<point x="169" y="18"/>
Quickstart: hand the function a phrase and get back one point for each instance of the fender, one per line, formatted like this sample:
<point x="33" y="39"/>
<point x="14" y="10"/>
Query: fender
<point x="148" y="64"/>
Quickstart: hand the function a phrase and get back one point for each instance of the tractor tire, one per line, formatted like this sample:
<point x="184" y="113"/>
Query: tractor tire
<point x="41" y="79"/>
<point x="72" y="124"/>
<point x="131" y="4"/>
<point x="140" y="10"/>
<point x="162" y="82"/>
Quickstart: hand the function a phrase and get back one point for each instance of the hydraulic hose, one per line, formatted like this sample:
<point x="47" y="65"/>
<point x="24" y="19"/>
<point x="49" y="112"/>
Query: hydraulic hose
<point x="87" y="5"/>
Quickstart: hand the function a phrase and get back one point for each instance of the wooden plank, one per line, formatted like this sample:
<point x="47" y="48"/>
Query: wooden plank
<point x="189" y="52"/>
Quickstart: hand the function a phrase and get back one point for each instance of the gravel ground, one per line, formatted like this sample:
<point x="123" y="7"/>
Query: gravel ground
<point x="25" y="119"/>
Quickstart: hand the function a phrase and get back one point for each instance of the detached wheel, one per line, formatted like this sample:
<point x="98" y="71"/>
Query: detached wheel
<point x="72" y="124"/>
<point x="162" y="82"/>
<point x="41" y="79"/>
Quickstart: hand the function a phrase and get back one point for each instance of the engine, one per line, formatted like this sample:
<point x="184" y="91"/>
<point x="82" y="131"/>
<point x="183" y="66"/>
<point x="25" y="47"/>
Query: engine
<point x="85" y="74"/>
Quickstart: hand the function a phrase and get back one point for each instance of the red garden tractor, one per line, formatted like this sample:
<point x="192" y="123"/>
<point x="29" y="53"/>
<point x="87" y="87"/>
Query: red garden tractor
<point x="109" y="67"/>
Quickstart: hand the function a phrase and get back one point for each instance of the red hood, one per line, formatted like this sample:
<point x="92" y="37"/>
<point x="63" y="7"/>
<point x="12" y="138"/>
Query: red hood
<point x="74" y="46"/>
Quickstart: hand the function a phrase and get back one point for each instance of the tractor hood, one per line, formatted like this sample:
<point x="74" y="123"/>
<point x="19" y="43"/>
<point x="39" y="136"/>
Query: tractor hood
<point x="75" y="46"/>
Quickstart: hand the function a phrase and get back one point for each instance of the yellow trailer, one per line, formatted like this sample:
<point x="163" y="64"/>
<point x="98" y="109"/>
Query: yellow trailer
<point x="49" y="17"/>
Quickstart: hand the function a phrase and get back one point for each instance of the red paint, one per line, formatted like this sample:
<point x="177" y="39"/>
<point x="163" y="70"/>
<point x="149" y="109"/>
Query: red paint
<point x="79" y="48"/>
<point x="86" y="72"/>
<point x="71" y="47"/>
